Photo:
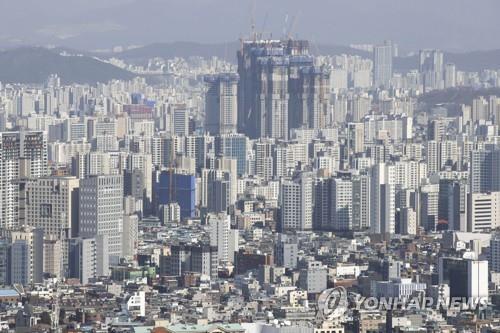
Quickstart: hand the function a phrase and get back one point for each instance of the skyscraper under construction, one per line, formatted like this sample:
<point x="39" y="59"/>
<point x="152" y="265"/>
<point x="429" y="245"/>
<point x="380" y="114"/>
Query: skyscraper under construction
<point x="280" y="88"/>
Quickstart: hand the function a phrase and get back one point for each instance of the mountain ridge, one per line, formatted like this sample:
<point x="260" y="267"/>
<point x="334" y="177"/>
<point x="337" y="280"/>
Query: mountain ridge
<point x="33" y="65"/>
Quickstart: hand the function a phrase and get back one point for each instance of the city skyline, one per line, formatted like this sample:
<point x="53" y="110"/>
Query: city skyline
<point x="270" y="185"/>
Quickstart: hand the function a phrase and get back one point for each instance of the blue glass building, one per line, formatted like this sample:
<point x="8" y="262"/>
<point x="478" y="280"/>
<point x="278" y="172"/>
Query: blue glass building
<point x="182" y="189"/>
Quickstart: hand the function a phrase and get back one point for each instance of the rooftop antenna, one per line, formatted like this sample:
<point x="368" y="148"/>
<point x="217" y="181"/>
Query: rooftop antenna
<point x="262" y="31"/>
<point x="315" y="45"/>
<point x="292" y="26"/>
<point x="252" y="23"/>
<point x="284" y="26"/>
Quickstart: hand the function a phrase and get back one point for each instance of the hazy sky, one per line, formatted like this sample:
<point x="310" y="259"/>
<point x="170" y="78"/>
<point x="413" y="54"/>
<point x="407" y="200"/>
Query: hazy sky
<point x="88" y="24"/>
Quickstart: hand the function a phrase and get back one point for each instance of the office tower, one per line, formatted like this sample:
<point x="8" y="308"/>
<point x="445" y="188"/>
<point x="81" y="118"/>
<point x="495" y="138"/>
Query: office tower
<point x="264" y="158"/>
<point x="26" y="256"/>
<point x="264" y="68"/>
<point x="296" y="202"/>
<point x="219" y="226"/>
<point x="172" y="187"/>
<point x="52" y="205"/>
<point x="130" y="235"/>
<point x="221" y="103"/>
<point x="361" y="202"/>
<point x="483" y="211"/>
<point x="309" y="90"/>
<point x="466" y="277"/>
<point x="89" y="258"/>
<point x="382" y="65"/>
<point x="23" y="154"/>
<point x="341" y="205"/>
<point x="101" y="211"/>
<point x="431" y="69"/>
<point x="450" y="76"/>
<point x="233" y="146"/>
<point x="429" y="199"/>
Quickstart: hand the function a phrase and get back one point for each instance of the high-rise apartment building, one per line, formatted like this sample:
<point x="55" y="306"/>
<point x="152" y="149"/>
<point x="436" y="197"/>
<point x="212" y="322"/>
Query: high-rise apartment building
<point x="270" y="72"/>
<point x="219" y="226"/>
<point x="221" y="103"/>
<point x="382" y="65"/>
<point x="297" y="203"/>
<point x="22" y="154"/>
<point x="431" y="69"/>
<point x="341" y="204"/>
<point x="382" y="199"/>
<point x="309" y="87"/>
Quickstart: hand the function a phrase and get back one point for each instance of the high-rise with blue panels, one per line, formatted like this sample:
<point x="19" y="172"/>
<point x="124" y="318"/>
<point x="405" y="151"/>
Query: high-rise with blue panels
<point x="178" y="188"/>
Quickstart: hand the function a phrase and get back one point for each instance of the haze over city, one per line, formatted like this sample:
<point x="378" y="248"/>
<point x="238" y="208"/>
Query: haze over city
<point x="249" y="166"/>
<point x="452" y="25"/>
